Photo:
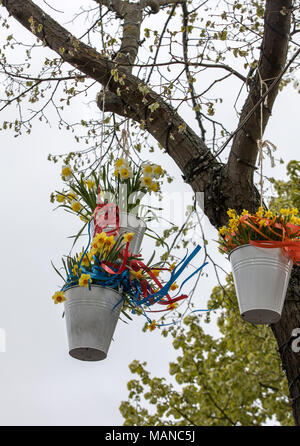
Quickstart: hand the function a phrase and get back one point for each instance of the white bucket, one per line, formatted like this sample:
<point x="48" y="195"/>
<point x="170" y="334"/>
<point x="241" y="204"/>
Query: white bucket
<point x="128" y="223"/>
<point x="261" y="277"/>
<point x="91" y="318"/>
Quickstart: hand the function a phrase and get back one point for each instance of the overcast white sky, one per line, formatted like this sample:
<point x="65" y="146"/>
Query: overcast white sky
<point x="39" y="383"/>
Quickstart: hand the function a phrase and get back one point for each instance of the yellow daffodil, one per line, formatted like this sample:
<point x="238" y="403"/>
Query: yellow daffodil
<point x="295" y="220"/>
<point x="109" y="241"/>
<point x="231" y="213"/>
<point x="146" y="181"/>
<point x="294" y="211"/>
<point x="84" y="280"/>
<point x="86" y="259"/>
<point x="233" y="222"/>
<point x="75" y="270"/>
<point x="157" y="171"/>
<point x="172" y="266"/>
<point x="125" y="173"/>
<point x="71" y="196"/>
<point x="76" y="206"/>
<point x="148" y="170"/>
<point x="117" y="172"/>
<point x="60" y="198"/>
<point x="90" y="183"/>
<point x="93" y="252"/>
<point x="155" y="272"/>
<point x="154" y="187"/>
<point x="100" y="237"/>
<point x="262" y="222"/>
<point x="260" y="212"/>
<point x="268" y="214"/>
<point x="59" y="297"/>
<point x="152" y="326"/>
<point x="137" y="274"/>
<point x="121" y="162"/>
<point x="66" y="172"/>
<point x="99" y="240"/>
<point x="223" y="230"/>
<point x="172" y="306"/>
<point x="245" y="212"/>
<point x="128" y="237"/>
<point x="284" y="212"/>
<point x="174" y="286"/>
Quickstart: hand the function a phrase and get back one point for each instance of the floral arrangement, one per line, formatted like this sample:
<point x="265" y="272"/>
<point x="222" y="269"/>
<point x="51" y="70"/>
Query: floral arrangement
<point x="126" y="189"/>
<point x="108" y="262"/>
<point x="264" y="228"/>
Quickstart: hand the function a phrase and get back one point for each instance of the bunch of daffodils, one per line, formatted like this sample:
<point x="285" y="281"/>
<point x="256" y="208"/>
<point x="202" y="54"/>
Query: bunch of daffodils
<point x="123" y="170"/>
<point x="82" y="193"/>
<point x="263" y="225"/>
<point x="104" y="248"/>
<point x="151" y="174"/>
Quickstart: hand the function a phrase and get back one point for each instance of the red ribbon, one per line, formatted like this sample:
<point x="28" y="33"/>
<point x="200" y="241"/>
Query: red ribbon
<point x="139" y="263"/>
<point x="122" y="267"/>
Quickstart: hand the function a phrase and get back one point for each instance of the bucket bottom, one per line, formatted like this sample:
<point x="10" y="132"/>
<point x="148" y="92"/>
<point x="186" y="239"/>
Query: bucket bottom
<point x="87" y="354"/>
<point x="261" y="316"/>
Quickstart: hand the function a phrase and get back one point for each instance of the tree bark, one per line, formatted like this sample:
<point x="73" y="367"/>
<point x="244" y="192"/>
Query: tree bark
<point x="283" y="331"/>
<point x="224" y="186"/>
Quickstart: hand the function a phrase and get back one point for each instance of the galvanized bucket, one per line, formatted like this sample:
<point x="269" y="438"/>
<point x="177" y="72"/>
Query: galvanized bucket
<point x="91" y="318"/>
<point x="261" y="277"/>
<point x="129" y="223"/>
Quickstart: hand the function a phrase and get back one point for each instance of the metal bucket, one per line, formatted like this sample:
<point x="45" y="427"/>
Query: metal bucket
<point x="91" y="318"/>
<point x="261" y="277"/>
<point x="128" y="223"/>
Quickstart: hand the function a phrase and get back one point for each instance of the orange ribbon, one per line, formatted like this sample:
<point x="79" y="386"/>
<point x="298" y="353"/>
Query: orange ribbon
<point x="290" y="247"/>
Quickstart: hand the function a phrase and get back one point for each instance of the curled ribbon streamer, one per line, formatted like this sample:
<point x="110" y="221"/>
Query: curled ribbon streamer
<point x="194" y="273"/>
<point x="138" y="264"/>
<point x="106" y="215"/>
<point x="174" y="275"/>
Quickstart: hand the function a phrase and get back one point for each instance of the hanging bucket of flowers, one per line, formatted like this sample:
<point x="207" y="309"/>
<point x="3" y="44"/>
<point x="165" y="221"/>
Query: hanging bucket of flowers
<point x="261" y="278"/>
<point x="105" y="280"/>
<point x="112" y="198"/>
<point x="91" y="319"/>
<point x="262" y="249"/>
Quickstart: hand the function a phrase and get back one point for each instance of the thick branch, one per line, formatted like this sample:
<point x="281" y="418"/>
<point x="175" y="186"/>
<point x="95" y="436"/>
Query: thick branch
<point x="183" y="145"/>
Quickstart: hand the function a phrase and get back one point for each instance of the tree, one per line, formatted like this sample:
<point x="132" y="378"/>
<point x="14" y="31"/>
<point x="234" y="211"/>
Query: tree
<point x="251" y="41"/>
<point x="235" y="379"/>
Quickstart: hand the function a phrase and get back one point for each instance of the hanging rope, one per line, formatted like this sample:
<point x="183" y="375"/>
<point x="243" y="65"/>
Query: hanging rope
<point x="124" y="144"/>
<point x="261" y="144"/>
<point x="102" y="131"/>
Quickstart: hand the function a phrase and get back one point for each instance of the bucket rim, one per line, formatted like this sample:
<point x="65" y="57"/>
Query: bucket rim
<point x="249" y="244"/>
<point x="95" y="286"/>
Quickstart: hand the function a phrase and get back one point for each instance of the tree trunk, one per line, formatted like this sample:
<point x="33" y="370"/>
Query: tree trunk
<point x="283" y="332"/>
